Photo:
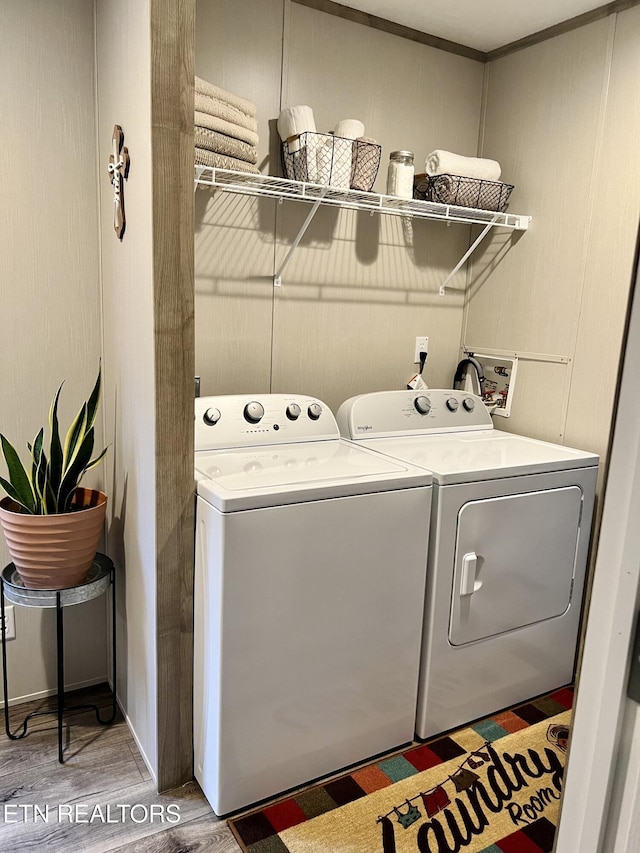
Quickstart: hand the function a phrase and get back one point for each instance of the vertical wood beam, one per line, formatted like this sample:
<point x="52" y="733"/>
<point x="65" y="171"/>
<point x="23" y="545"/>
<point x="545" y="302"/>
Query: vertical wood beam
<point x="172" y="104"/>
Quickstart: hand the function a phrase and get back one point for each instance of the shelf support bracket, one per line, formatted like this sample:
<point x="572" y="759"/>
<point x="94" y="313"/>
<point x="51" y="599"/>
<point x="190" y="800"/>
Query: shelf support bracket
<point x="277" y="279"/>
<point x="466" y="255"/>
<point x="199" y="172"/>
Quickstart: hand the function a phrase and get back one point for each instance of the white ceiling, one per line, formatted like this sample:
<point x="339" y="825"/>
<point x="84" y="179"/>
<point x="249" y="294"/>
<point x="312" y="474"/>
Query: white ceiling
<point x="481" y="24"/>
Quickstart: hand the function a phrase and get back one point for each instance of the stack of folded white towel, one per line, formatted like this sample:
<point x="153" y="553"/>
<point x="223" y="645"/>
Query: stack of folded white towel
<point x="226" y="129"/>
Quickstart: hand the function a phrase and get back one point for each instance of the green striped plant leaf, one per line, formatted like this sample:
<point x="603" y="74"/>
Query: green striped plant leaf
<point x="94" y="401"/>
<point x="36" y="451"/>
<point x="55" y="451"/>
<point x="47" y="487"/>
<point x="22" y="490"/>
<point x="73" y="439"/>
<point x="74" y="472"/>
<point x="98" y="459"/>
<point x="13" y="494"/>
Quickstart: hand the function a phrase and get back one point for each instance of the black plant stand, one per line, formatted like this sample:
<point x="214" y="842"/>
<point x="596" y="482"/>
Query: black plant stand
<point x="101" y="576"/>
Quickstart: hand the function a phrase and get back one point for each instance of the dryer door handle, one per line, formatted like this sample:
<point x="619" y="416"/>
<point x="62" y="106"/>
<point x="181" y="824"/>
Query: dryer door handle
<point x="468" y="582"/>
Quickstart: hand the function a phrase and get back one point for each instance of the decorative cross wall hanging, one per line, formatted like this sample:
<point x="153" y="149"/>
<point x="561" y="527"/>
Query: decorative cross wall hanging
<point x="118" y="172"/>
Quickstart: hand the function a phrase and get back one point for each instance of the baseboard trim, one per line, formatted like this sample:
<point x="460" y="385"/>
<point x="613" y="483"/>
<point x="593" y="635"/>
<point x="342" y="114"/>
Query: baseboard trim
<point x="138" y="744"/>
<point x="78" y="685"/>
<point x="43" y="694"/>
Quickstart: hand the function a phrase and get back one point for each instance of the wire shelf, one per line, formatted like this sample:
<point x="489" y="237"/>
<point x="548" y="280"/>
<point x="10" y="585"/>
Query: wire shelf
<point x="247" y="183"/>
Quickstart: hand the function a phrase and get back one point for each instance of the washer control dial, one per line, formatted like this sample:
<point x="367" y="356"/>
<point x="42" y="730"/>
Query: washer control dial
<point x="422" y="405"/>
<point x="293" y="411"/>
<point x="314" y="411"/>
<point x="452" y="404"/>
<point x="469" y="404"/>
<point x="253" y="412"/>
<point x="211" y="416"/>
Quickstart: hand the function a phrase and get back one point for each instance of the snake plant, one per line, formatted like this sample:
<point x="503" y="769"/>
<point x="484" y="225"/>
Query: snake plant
<point x="48" y="487"/>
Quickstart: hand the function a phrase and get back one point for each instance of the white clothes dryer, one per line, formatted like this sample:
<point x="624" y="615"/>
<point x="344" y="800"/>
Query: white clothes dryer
<point x="510" y="527"/>
<point x="309" y="581"/>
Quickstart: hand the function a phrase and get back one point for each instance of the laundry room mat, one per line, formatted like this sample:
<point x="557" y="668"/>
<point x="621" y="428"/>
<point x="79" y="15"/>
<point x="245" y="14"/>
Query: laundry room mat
<point x="493" y="787"/>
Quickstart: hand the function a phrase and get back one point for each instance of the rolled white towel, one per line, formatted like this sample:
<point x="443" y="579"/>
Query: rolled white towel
<point x="349" y="128"/>
<point x="324" y="158"/>
<point x="441" y="162"/>
<point x="342" y="158"/>
<point x="293" y="121"/>
<point x="333" y="160"/>
<point x="308" y="148"/>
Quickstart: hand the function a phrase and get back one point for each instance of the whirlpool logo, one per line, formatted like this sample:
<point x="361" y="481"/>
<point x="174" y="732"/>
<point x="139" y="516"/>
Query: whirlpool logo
<point x="364" y="428"/>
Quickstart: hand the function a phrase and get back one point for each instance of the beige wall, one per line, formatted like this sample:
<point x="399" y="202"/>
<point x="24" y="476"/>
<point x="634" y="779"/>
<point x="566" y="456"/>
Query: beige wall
<point x="238" y="46"/>
<point x="563" y="118"/>
<point x="50" y="322"/>
<point x="613" y="230"/>
<point x="123" y="73"/>
<point x="359" y="288"/>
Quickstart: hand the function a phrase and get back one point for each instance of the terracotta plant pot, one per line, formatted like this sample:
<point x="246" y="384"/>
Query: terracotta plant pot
<point x="55" y="551"/>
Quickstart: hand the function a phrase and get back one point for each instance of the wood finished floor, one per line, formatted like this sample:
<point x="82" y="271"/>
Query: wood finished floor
<point x="102" y="768"/>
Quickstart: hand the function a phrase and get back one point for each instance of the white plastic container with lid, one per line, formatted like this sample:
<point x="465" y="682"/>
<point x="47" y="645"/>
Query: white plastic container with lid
<point x="400" y="174"/>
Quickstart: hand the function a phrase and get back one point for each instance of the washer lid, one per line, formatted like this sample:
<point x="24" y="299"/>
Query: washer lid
<point x="466" y="457"/>
<point x="273" y="475"/>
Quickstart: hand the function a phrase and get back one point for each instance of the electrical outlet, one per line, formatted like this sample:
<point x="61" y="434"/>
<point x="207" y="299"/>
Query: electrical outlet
<point x="10" y="622"/>
<point x="422" y="345"/>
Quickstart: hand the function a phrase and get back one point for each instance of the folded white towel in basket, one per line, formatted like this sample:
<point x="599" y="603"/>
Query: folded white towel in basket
<point x="441" y="162"/>
<point x="333" y="161"/>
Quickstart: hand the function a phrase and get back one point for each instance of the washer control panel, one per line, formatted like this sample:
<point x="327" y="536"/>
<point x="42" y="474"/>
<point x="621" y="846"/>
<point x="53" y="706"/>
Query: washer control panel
<point x="389" y="413"/>
<point x="245" y="421"/>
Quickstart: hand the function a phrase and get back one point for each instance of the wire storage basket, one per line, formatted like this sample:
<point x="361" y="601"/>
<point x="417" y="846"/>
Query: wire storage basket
<point x="322" y="158"/>
<point x="462" y="192"/>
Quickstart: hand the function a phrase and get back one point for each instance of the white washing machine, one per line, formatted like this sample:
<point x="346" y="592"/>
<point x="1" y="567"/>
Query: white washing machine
<point x="510" y="527"/>
<point x="309" y="581"/>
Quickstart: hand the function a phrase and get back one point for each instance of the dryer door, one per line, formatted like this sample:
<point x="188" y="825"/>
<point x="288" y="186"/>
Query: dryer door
<point x="514" y="562"/>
